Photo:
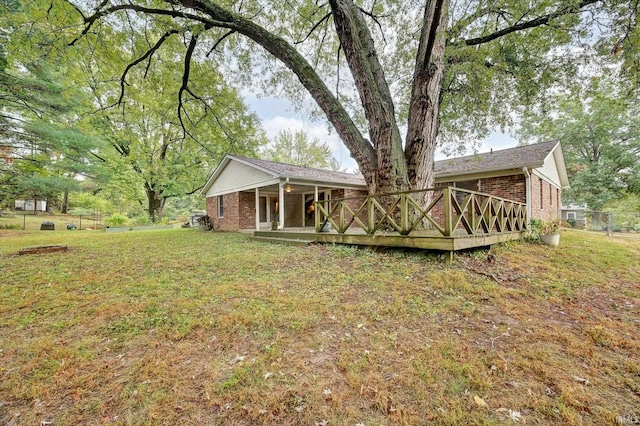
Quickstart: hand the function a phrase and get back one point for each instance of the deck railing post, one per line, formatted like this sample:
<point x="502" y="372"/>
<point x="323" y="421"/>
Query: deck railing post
<point x="317" y="215"/>
<point x="447" y="211"/>
<point x="341" y="216"/>
<point x="404" y="214"/>
<point x="371" y="217"/>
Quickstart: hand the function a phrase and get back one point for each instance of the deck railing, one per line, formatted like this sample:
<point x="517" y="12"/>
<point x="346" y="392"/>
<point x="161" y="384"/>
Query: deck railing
<point x="448" y="210"/>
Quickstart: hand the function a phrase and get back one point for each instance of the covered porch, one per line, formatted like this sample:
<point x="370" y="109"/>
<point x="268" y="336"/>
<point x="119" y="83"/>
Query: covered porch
<point x="291" y="204"/>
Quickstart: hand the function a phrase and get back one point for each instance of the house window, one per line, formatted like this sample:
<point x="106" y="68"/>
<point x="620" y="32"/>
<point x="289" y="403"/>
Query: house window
<point x="220" y="206"/>
<point x="541" y="192"/>
<point x="571" y="215"/>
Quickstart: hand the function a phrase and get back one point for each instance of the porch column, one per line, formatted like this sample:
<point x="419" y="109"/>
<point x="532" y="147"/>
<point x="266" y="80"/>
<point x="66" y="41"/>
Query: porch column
<point x="281" y="206"/>
<point x="316" y="213"/>
<point x="257" y="209"/>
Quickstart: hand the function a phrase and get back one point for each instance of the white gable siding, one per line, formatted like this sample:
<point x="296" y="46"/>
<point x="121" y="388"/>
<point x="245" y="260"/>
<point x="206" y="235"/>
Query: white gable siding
<point x="238" y="177"/>
<point x="549" y="171"/>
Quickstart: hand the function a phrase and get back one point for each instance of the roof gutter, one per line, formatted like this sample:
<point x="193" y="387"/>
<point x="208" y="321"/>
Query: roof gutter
<point x="484" y="171"/>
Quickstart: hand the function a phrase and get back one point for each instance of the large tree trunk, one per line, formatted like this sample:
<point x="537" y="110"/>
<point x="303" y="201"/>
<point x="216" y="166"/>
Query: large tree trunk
<point x="384" y="163"/>
<point x="155" y="203"/>
<point x="428" y="76"/>
<point x="65" y="202"/>
<point x="359" y="49"/>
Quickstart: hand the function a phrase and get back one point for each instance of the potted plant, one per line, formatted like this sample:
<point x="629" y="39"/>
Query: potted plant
<point x="550" y="233"/>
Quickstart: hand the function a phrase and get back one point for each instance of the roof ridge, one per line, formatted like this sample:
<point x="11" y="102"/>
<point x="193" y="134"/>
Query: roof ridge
<point x="498" y="151"/>
<point x="293" y="165"/>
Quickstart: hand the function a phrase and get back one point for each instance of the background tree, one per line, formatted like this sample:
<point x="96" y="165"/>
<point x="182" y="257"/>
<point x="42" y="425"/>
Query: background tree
<point x="41" y="153"/>
<point x="600" y="134"/>
<point x="153" y="150"/>
<point x="169" y="152"/>
<point x="42" y="150"/>
<point x="296" y="147"/>
<point x="475" y="64"/>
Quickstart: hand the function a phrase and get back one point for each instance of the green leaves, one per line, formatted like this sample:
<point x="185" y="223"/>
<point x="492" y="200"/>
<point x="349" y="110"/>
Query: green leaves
<point x="600" y="134"/>
<point x="296" y="147"/>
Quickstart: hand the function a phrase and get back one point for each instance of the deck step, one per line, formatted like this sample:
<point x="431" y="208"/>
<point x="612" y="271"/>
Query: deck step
<point x="287" y="241"/>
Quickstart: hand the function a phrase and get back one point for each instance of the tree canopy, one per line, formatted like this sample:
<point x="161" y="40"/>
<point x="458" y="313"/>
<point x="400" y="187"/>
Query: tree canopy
<point x="600" y="134"/>
<point x="296" y="147"/>
<point x="169" y="151"/>
<point x="42" y="151"/>
<point x="148" y="149"/>
<point x="425" y="69"/>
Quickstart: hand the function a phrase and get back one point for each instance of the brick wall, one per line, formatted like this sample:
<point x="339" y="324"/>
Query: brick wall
<point x="247" y="215"/>
<point x="509" y="187"/>
<point x="230" y="219"/>
<point x="212" y="205"/>
<point x="545" y="199"/>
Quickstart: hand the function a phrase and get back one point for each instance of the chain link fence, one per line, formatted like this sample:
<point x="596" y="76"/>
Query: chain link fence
<point x="625" y="222"/>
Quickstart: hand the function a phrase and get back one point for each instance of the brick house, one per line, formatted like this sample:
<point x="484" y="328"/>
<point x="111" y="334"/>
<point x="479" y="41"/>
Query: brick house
<point x="240" y="184"/>
<point x="532" y="174"/>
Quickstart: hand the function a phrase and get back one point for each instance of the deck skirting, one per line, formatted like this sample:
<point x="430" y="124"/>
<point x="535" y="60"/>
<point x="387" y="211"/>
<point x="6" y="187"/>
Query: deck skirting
<point x="381" y="239"/>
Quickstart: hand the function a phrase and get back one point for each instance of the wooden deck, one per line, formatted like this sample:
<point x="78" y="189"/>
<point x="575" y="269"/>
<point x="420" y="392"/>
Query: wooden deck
<point x="426" y="241"/>
<point x="453" y="219"/>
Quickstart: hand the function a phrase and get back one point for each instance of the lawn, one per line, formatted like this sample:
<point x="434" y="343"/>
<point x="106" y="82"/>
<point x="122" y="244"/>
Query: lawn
<point x="189" y="327"/>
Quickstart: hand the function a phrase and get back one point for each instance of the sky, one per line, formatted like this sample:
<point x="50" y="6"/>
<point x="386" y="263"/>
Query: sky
<point x="278" y="114"/>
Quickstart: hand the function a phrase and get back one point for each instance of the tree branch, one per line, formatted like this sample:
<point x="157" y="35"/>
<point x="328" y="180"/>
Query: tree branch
<point x="542" y="20"/>
<point x="360" y="148"/>
<point x="195" y="190"/>
<point x="148" y="54"/>
<point x="99" y="14"/>
<point x="323" y="19"/>
<point x="185" y="78"/>
<point x="220" y="40"/>
<point x="375" y="19"/>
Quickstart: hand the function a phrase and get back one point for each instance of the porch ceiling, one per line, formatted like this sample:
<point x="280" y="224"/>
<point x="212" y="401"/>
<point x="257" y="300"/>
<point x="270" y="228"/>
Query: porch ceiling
<point x="293" y="188"/>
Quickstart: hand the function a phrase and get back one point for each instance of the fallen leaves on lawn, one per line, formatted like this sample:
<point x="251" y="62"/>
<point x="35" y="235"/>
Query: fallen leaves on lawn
<point x="479" y="401"/>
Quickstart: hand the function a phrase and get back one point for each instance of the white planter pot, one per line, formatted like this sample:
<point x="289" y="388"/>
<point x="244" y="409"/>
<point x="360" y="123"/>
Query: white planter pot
<point x="550" y="239"/>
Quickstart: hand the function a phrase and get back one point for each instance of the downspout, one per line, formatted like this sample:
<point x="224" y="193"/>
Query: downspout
<point x="527" y="178"/>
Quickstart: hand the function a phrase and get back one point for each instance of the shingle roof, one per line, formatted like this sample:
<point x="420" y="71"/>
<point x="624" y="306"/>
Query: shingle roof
<point x="300" y="172"/>
<point x="505" y="159"/>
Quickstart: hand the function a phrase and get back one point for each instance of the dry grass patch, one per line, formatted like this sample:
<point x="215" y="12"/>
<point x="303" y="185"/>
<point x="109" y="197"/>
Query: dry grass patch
<point x="181" y="326"/>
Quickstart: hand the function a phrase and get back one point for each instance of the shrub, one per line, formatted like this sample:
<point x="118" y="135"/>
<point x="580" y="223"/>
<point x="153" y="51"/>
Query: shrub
<point x="116" y="220"/>
<point x="539" y="227"/>
<point x="535" y="229"/>
<point x="551" y="227"/>
<point x="572" y="222"/>
<point x="143" y="220"/>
